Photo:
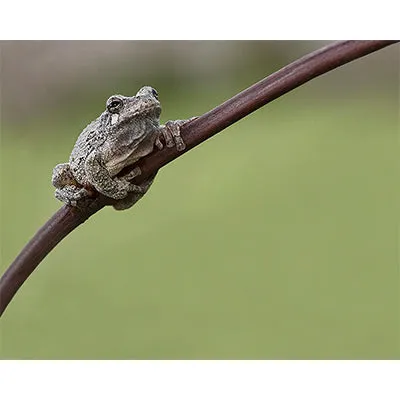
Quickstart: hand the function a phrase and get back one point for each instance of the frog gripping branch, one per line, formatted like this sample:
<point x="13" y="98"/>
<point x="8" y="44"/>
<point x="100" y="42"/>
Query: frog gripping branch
<point x="128" y="130"/>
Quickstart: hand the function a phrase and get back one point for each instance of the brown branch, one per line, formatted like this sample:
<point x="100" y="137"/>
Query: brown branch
<point x="195" y="132"/>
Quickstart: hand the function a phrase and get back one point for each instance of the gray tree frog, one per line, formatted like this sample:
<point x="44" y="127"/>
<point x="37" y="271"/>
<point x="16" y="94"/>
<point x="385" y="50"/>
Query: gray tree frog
<point x="126" y="131"/>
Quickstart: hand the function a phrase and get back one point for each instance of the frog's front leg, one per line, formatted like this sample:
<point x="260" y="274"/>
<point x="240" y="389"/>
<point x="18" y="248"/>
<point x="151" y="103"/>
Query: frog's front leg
<point x="172" y="133"/>
<point x="99" y="176"/>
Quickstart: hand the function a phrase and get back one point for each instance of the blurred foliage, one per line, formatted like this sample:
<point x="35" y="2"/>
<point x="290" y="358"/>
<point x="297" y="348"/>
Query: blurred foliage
<point x="275" y="239"/>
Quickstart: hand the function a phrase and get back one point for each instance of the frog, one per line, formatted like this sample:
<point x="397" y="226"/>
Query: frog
<point x="128" y="130"/>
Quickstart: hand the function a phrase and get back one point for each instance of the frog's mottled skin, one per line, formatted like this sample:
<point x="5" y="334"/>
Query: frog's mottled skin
<point x="125" y="132"/>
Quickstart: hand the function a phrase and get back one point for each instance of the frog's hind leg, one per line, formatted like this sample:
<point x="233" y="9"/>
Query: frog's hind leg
<point x="67" y="189"/>
<point x="133" y="196"/>
<point x="72" y="195"/>
<point x="62" y="176"/>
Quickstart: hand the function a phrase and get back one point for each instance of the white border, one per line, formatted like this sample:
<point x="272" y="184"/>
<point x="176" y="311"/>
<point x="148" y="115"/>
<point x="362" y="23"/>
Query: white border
<point x="192" y="380"/>
<point x="206" y="19"/>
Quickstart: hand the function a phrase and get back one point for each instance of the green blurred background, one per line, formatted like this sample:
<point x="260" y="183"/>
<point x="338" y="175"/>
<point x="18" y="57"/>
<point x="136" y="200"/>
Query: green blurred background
<point x="276" y="239"/>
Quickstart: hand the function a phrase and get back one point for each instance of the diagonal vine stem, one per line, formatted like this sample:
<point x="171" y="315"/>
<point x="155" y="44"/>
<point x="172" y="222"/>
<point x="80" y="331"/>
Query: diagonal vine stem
<point x="66" y="219"/>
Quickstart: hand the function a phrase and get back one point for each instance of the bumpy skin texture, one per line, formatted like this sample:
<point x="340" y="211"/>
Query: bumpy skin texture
<point x="126" y="131"/>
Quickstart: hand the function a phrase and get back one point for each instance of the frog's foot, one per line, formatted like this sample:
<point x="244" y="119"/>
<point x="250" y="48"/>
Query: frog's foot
<point x="72" y="195"/>
<point x="133" y="174"/>
<point x="172" y="133"/>
<point x="159" y="144"/>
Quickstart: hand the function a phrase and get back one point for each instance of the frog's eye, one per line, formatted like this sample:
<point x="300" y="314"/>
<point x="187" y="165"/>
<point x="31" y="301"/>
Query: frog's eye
<point x="154" y="93"/>
<point x="114" y="104"/>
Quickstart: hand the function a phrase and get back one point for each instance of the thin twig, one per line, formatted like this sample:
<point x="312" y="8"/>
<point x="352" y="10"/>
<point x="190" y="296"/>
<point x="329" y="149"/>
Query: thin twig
<point x="195" y="132"/>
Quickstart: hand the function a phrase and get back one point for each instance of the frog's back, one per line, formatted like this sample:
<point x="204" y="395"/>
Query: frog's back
<point x="90" y="139"/>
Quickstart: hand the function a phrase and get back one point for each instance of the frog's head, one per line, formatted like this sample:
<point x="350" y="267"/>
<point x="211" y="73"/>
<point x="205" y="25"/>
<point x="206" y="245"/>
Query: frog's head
<point x="124" y="110"/>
